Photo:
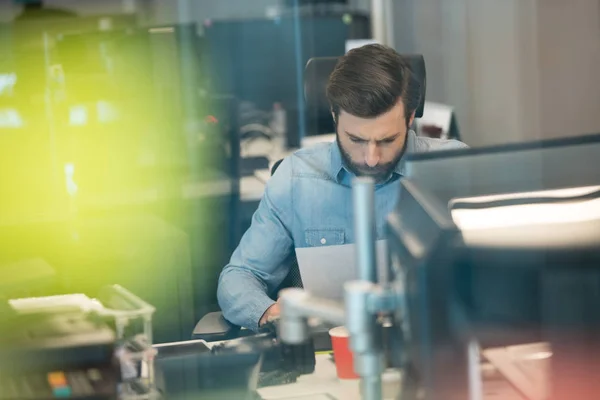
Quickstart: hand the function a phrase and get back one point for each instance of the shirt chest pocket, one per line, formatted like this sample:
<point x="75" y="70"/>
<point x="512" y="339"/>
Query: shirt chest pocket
<point x="324" y="237"/>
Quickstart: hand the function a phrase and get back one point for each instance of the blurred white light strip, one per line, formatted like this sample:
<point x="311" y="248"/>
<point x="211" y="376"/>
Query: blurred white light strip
<point x="527" y="214"/>
<point x="542" y="355"/>
<point x="7" y="81"/>
<point x="69" y="181"/>
<point x="10" y="118"/>
<point x="162" y="30"/>
<point x="106" y="112"/>
<point x="78" y="115"/>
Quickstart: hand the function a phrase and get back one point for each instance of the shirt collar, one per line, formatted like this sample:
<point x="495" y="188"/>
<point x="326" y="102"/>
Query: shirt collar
<point x="339" y="170"/>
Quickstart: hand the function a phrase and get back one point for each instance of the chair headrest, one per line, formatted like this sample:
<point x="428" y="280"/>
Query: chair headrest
<point x="318" y="70"/>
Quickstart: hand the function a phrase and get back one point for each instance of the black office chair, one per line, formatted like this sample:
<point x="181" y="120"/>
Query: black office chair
<point x="213" y="327"/>
<point x="316" y="76"/>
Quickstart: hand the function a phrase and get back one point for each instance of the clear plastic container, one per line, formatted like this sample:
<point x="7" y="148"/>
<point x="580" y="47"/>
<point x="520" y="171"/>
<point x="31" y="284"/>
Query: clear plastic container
<point x="132" y="320"/>
<point x="133" y="325"/>
<point x="126" y="309"/>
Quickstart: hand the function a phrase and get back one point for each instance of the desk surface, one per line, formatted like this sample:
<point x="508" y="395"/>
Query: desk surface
<point x="323" y="381"/>
<point x="324" y="384"/>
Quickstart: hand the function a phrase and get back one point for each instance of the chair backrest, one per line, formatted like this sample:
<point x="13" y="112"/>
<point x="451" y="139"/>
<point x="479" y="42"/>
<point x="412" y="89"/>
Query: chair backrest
<point x="316" y="76"/>
<point x="275" y="166"/>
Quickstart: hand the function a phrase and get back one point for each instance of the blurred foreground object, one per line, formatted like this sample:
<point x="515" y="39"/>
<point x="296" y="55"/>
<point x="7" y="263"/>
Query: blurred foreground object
<point x="498" y="248"/>
<point x="74" y="346"/>
<point x="490" y="250"/>
<point x="71" y="346"/>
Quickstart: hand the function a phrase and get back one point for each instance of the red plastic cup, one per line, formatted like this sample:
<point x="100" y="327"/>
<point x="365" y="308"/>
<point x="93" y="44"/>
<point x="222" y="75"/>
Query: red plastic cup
<point x="344" y="362"/>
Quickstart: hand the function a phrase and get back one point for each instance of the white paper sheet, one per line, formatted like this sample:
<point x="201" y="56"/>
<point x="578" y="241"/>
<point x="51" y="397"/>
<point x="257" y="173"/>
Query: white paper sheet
<point x="324" y="270"/>
<point x="526" y="366"/>
<point x="439" y="115"/>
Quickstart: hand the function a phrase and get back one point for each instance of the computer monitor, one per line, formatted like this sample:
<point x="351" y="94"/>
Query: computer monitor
<point x="498" y="247"/>
<point x="514" y="167"/>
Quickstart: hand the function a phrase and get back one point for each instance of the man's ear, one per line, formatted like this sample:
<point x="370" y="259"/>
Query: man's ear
<point x="412" y="118"/>
<point x="333" y="115"/>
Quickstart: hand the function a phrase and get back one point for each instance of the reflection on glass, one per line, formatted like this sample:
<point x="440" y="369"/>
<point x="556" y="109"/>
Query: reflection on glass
<point x="544" y="207"/>
<point x="98" y="159"/>
<point x="10" y="118"/>
<point x="7" y="83"/>
<point x="78" y="115"/>
<point x="69" y="178"/>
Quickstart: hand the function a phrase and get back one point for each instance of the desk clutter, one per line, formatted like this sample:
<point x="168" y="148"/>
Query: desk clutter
<point x="72" y="346"/>
<point x="239" y="366"/>
<point x="79" y="348"/>
<point x="39" y="358"/>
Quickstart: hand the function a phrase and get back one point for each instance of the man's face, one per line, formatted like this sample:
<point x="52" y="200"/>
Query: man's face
<point x="373" y="146"/>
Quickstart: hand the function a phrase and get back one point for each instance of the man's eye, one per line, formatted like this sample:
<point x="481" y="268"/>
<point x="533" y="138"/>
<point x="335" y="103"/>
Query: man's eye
<point x="356" y="140"/>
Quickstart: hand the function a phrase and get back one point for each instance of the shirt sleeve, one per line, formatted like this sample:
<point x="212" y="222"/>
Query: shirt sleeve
<point x="261" y="261"/>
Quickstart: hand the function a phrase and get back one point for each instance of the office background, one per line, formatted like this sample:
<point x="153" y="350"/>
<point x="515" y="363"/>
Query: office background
<point x="535" y="56"/>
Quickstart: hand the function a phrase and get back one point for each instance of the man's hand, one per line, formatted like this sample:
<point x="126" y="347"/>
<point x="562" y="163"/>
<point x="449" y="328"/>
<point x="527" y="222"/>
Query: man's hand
<point x="272" y="312"/>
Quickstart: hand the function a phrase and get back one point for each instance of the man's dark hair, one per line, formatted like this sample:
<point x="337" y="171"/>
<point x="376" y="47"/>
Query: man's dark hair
<point x="369" y="80"/>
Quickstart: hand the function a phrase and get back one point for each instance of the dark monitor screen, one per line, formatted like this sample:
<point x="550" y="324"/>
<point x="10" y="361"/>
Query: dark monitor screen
<point x="477" y="236"/>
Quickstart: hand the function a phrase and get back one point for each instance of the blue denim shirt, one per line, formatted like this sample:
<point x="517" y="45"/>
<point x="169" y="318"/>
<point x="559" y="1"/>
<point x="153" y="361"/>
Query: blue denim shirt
<point x="307" y="202"/>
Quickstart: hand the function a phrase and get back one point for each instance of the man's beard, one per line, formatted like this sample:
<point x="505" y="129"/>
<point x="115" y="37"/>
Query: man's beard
<point x="379" y="173"/>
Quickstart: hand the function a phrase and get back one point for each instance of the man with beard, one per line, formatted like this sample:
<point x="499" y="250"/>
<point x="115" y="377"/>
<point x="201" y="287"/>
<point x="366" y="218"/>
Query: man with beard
<point x="308" y="201"/>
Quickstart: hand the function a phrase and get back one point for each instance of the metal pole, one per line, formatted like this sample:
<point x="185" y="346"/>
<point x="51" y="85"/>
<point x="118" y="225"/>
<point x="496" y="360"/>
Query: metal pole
<point x="389" y="23"/>
<point x="299" y="72"/>
<point x="474" y="368"/>
<point x="382" y="21"/>
<point x="363" y="190"/>
<point x="184" y="11"/>
<point x="297" y="306"/>
<point x="378" y="21"/>
<point x="365" y="338"/>
<point x="371" y="388"/>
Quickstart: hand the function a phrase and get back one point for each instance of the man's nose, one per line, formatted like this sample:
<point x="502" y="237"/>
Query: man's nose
<point x="373" y="156"/>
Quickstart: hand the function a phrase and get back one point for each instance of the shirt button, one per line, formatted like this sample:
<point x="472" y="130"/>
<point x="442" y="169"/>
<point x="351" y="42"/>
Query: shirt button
<point x="323" y="241"/>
